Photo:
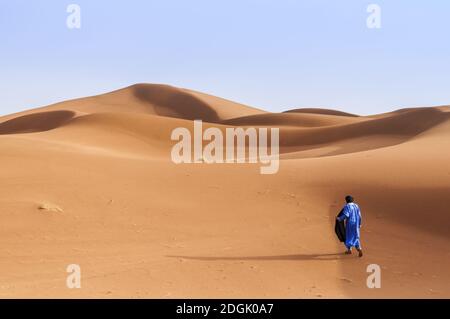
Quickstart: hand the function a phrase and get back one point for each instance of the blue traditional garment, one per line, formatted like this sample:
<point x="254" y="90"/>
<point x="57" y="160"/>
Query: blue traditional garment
<point x="352" y="216"/>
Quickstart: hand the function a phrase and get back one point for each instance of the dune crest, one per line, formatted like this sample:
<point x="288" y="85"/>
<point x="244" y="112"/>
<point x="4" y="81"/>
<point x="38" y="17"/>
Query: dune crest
<point x="321" y="111"/>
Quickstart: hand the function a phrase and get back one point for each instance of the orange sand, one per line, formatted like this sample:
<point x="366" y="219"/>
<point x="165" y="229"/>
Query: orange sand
<point x="91" y="182"/>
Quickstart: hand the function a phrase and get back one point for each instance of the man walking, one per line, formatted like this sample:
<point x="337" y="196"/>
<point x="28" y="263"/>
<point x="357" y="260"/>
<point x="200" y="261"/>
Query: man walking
<point x="352" y="216"/>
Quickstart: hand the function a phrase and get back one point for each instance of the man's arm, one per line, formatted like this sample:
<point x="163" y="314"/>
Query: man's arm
<point x="342" y="215"/>
<point x="360" y="218"/>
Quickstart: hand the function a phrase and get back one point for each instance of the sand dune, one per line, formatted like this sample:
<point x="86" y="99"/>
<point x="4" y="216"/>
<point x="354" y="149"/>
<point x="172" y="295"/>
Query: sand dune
<point x="141" y="226"/>
<point x="289" y="120"/>
<point x="321" y="111"/>
<point x="157" y="99"/>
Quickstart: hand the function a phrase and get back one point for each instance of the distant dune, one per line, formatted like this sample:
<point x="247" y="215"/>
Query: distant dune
<point x="321" y="111"/>
<point x="141" y="226"/>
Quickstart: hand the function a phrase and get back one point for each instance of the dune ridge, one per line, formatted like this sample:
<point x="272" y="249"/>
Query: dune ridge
<point x="321" y="111"/>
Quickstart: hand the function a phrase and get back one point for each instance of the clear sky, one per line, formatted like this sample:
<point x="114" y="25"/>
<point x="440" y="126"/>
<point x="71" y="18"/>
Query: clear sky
<point x="271" y="54"/>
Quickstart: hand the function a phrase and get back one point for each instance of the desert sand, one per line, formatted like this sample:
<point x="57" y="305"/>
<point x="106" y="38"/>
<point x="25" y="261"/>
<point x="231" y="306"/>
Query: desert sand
<point x="90" y="182"/>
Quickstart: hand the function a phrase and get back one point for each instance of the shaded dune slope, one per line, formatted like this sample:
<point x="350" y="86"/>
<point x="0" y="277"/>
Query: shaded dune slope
<point x="36" y="122"/>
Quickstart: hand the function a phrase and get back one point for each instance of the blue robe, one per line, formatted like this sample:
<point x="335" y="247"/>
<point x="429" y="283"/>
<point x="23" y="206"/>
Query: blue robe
<point x="352" y="216"/>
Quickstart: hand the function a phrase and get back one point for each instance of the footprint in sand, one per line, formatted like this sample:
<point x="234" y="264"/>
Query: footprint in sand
<point x="349" y="281"/>
<point x="50" y="207"/>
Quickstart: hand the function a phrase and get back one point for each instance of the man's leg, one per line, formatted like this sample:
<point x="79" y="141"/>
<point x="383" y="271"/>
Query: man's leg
<point x="360" y="252"/>
<point x="349" y="250"/>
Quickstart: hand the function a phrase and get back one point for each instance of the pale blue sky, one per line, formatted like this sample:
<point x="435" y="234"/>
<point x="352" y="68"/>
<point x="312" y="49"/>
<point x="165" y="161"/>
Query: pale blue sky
<point x="272" y="54"/>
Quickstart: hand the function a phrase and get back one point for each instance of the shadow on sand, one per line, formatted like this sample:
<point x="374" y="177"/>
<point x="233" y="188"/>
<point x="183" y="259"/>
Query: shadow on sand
<point x="296" y="257"/>
<point x="36" y="122"/>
